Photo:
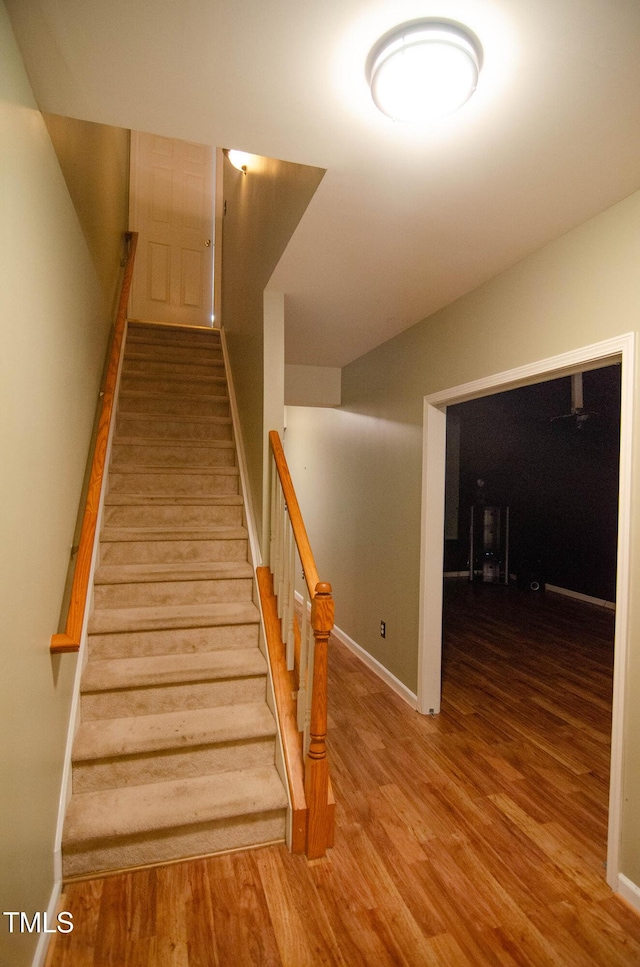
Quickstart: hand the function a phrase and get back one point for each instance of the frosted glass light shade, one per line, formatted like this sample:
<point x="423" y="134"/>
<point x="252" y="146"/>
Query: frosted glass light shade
<point x="240" y="159"/>
<point x="424" y="71"/>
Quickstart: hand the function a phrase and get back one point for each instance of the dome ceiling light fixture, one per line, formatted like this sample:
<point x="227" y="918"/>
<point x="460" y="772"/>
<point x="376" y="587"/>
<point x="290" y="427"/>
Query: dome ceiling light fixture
<point x="424" y="70"/>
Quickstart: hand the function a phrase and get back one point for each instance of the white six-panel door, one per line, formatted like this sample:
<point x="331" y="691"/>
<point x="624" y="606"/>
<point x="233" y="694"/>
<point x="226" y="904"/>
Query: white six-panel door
<point x="171" y="207"/>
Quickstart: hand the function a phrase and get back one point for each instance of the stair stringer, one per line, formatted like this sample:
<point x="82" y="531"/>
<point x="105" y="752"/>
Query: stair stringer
<point x="256" y="561"/>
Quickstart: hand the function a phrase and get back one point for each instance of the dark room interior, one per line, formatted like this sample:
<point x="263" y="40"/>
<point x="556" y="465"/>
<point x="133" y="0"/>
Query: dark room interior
<point x="550" y="453"/>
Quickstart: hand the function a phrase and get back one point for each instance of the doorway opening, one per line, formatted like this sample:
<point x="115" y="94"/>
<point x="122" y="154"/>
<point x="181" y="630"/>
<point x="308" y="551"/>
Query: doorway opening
<point x="617" y="350"/>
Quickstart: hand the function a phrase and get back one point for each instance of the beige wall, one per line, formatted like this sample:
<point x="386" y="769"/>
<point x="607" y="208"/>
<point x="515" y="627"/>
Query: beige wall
<point x="94" y="159"/>
<point x="312" y="385"/>
<point x="263" y="208"/>
<point x="358" y="468"/>
<point x="54" y="332"/>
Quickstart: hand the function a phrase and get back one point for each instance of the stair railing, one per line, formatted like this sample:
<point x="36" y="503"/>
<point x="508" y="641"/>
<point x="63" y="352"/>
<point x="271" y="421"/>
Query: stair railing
<point x="304" y="641"/>
<point x="69" y="639"/>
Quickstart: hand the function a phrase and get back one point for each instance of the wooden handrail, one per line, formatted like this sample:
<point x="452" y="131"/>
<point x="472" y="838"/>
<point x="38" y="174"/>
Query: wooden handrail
<point x="69" y="639"/>
<point x="295" y="515"/>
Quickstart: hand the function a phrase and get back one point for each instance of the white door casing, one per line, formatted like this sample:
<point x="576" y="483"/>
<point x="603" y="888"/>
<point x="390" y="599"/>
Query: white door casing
<point x="171" y="208"/>
<point x="619" y="349"/>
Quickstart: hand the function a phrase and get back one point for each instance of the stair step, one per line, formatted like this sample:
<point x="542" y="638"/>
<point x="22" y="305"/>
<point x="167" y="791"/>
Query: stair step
<point x="163" y="455"/>
<point x="131" y="433"/>
<point x="172" y="641"/>
<point x="162" y="805"/>
<point x="100" y="676"/>
<point x="112" y="620"/>
<point x="171" y="533"/>
<point x="176" y="745"/>
<point x="175" y="483"/>
<point x="182" y="500"/>
<point x="189" y="359"/>
<point x="156" y="822"/>
<point x="171" y="593"/>
<point x="193" y="386"/>
<point x="134" y="402"/>
<point x="155" y="733"/>
<point x="172" y="335"/>
<point x="142" y="348"/>
<point x="134" y="366"/>
<point x="171" y="697"/>
<point x="159" y="513"/>
<point x="143" y="573"/>
<point x="180" y="552"/>
<point x="180" y="419"/>
<point x="155" y="427"/>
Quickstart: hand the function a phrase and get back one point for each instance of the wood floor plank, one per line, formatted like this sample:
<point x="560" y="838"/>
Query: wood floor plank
<point x="476" y="838"/>
<point x="243" y="926"/>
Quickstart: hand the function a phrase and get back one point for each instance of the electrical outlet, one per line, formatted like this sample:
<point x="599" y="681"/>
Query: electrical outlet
<point x="383" y="629"/>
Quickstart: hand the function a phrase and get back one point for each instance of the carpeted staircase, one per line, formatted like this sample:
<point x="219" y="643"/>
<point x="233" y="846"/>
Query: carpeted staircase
<point x="175" y="752"/>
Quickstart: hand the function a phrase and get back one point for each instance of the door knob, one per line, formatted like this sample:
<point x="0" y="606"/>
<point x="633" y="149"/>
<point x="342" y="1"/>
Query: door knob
<point x="207" y="242"/>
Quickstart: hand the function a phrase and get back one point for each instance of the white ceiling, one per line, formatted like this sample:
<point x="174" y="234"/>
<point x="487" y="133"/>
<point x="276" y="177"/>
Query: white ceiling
<point x="406" y="219"/>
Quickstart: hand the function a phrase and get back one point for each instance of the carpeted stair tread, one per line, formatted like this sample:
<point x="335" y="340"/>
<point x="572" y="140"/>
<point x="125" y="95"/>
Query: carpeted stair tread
<point x="170" y="444"/>
<point x="170" y="333"/>
<point x="108" y="674"/>
<point x="176" y="471"/>
<point x="171" y="616"/>
<point x="172" y="533"/>
<point x="133" y="500"/>
<point x="132" y="810"/>
<point x="170" y="378"/>
<point x="196" y="397"/>
<point x="193" y="366"/>
<point x="149" y="573"/>
<point x="178" y="418"/>
<point x="150" y="349"/>
<point x="173" y="641"/>
<point x="139" y="734"/>
<point x="198" y="356"/>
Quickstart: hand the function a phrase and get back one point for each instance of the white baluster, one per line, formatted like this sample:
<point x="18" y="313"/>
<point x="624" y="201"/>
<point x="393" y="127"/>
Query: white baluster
<point x="291" y="602"/>
<point x="286" y="584"/>
<point x="280" y="542"/>
<point x="275" y="486"/>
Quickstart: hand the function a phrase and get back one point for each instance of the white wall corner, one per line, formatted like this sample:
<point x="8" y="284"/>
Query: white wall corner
<point x="312" y="385"/>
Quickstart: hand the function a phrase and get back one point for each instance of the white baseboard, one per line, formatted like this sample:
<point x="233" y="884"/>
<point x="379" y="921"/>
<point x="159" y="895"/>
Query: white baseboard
<point x="44" y="939"/>
<point x="372" y="663"/>
<point x="375" y="666"/>
<point x="589" y="599"/>
<point x="629" y="891"/>
<point x="581" y="597"/>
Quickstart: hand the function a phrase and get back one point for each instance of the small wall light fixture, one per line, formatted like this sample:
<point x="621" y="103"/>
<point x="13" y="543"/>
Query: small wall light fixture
<point x="424" y="70"/>
<point x="239" y="159"/>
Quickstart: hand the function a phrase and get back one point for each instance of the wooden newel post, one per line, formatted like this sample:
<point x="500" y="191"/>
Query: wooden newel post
<point x="316" y="774"/>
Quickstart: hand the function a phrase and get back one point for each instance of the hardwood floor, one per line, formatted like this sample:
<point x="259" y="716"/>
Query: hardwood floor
<point x="469" y="839"/>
